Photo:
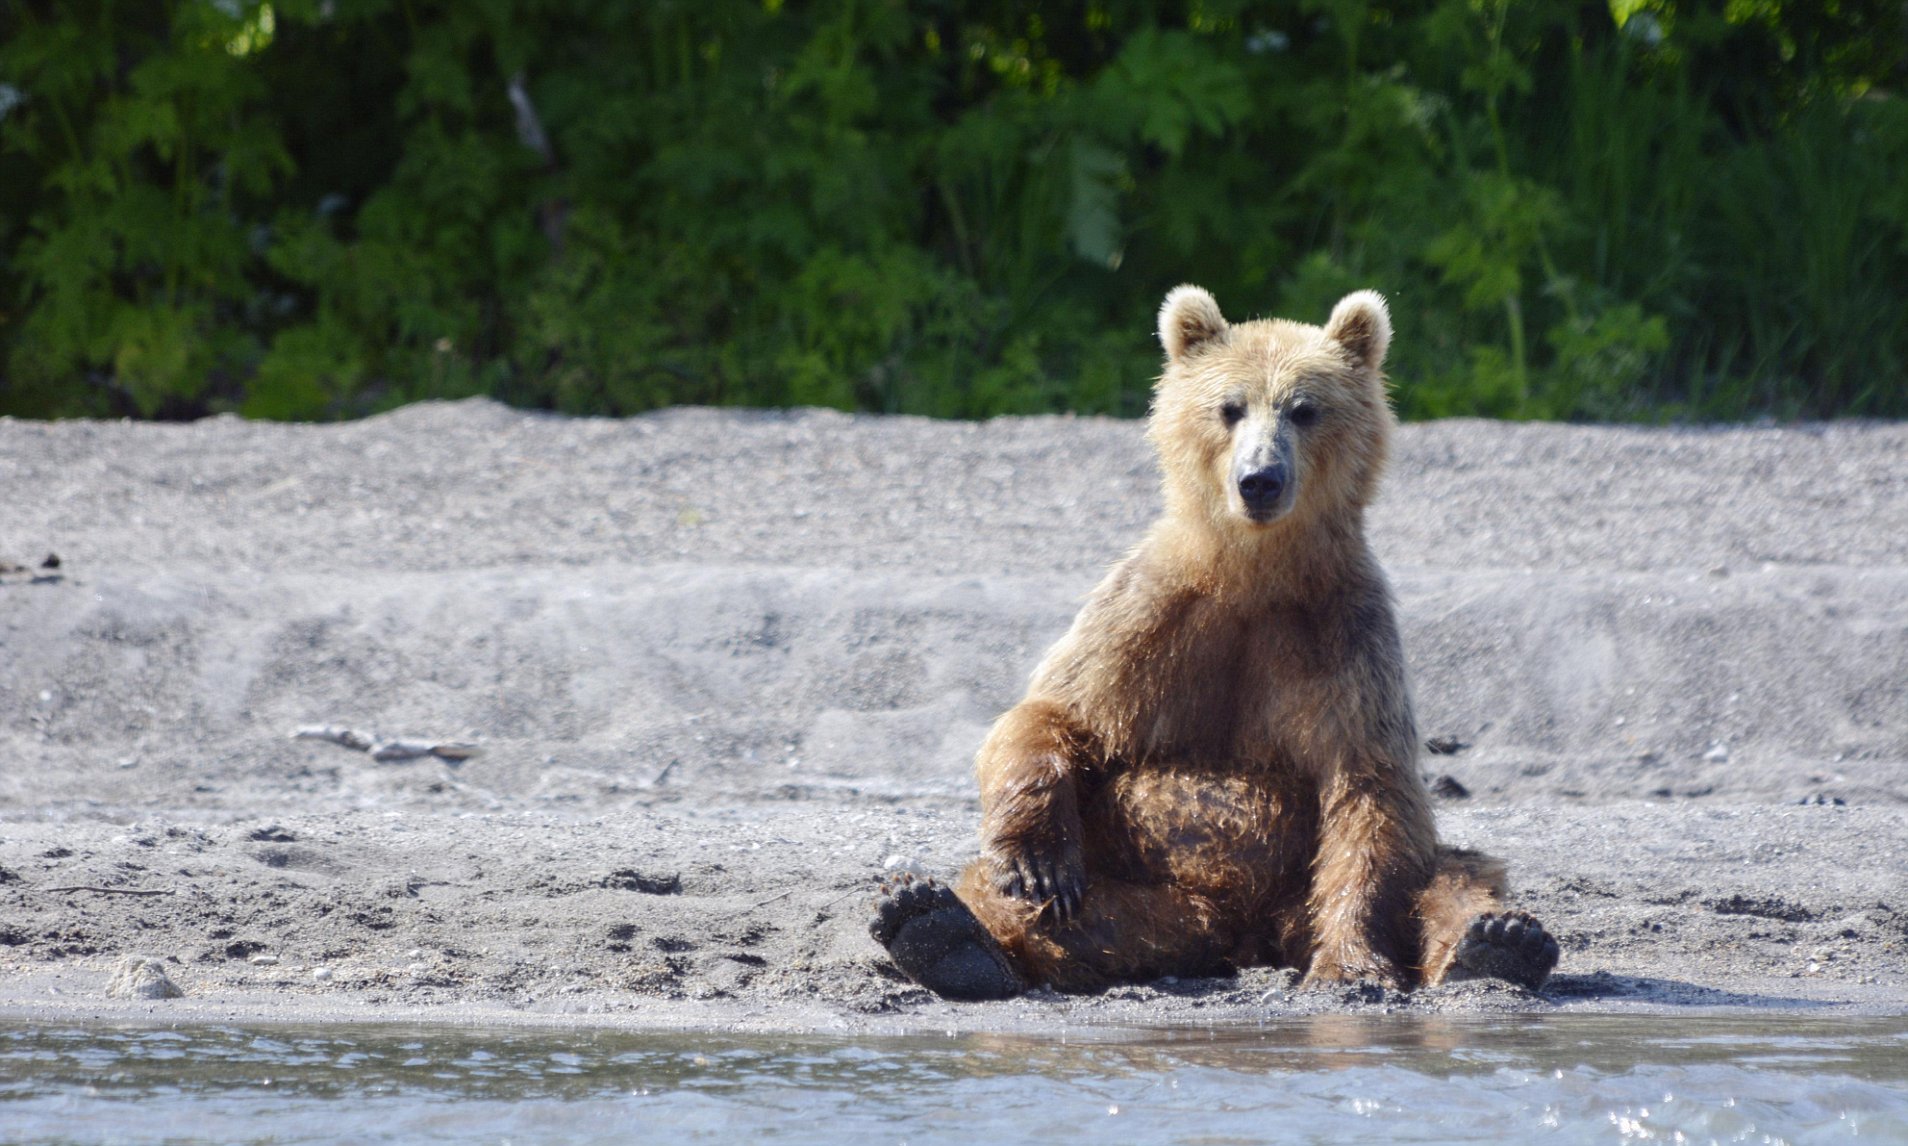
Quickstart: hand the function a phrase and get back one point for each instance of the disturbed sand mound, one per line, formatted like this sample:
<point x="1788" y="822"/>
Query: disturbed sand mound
<point x="753" y="654"/>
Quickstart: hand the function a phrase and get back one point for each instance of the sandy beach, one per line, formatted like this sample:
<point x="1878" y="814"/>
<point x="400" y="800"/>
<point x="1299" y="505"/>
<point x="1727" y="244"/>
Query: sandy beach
<point x="697" y="679"/>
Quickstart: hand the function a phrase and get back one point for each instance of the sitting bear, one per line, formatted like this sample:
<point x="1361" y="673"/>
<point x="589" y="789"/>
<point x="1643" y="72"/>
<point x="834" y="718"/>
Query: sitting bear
<point x="1215" y="767"/>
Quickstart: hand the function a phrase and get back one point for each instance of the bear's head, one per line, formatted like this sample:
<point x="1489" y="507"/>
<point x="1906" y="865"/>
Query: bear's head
<point x="1269" y="422"/>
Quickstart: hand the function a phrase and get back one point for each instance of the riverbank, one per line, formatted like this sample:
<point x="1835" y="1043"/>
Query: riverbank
<point x="721" y="670"/>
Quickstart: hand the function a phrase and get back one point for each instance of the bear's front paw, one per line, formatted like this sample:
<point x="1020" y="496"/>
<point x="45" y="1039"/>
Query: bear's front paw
<point x="1054" y="878"/>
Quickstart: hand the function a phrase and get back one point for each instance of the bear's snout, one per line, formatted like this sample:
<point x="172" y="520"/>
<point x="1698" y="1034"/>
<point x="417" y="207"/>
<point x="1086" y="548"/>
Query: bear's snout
<point x="1262" y="490"/>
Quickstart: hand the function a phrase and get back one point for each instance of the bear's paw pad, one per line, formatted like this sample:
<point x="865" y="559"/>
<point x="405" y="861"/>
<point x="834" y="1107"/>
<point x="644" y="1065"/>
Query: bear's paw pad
<point x="936" y="941"/>
<point x="1511" y="946"/>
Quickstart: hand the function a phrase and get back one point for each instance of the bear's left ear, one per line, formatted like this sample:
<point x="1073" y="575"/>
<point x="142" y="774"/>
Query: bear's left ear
<point x="1188" y="319"/>
<point x="1362" y="325"/>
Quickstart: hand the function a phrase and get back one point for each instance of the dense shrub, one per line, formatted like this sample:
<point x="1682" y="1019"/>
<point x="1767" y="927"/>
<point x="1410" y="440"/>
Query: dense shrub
<point x="306" y="209"/>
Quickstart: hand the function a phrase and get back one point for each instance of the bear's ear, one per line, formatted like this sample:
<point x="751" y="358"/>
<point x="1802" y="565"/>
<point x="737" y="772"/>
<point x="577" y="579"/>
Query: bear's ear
<point x="1188" y="319"/>
<point x="1362" y="325"/>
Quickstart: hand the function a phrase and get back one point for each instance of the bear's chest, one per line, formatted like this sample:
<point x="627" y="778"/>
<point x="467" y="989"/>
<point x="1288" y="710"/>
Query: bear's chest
<point x="1225" y="687"/>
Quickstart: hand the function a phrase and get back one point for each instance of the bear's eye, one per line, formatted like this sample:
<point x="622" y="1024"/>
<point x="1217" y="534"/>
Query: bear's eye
<point x="1232" y="412"/>
<point x="1303" y="414"/>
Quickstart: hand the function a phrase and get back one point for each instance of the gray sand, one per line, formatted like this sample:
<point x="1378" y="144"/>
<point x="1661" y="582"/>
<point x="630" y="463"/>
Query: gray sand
<point x="726" y="668"/>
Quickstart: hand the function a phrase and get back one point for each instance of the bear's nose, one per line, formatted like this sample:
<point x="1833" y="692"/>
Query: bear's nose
<point x="1261" y="488"/>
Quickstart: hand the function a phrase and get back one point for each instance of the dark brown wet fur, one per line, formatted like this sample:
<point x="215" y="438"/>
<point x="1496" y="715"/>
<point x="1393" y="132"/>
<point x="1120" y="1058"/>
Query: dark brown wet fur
<point x="1216" y="766"/>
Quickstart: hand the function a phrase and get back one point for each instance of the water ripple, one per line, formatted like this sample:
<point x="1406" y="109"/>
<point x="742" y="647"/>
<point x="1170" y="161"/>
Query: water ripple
<point x="1330" y="1079"/>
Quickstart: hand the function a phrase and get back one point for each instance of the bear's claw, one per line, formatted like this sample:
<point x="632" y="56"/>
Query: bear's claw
<point x="1055" y="880"/>
<point x="1511" y="946"/>
<point x="936" y="941"/>
<point x="1039" y="879"/>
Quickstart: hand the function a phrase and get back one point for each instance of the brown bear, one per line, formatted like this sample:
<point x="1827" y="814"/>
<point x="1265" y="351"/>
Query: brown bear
<point x="1216" y="767"/>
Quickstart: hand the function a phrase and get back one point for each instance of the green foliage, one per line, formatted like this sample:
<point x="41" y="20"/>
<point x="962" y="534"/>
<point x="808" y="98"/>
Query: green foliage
<point x="296" y="209"/>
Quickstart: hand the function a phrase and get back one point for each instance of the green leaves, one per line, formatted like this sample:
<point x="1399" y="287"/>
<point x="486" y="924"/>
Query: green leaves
<point x="134" y="258"/>
<point x="1093" y="215"/>
<point x="1164" y="86"/>
<point x="1485" y="252"/>
<point x="311" y="209"/>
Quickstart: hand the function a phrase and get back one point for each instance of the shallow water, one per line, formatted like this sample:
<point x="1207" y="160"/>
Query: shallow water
<point x="1330" y="1079"/>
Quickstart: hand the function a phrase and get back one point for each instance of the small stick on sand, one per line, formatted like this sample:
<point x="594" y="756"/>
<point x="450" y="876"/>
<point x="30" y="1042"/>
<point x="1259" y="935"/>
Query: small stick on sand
<point x="839" y="898"/>
<point x="111" y="890"/>
<point x="344" y="737"/>
<point x="793" y="890"/>
<point x="771" y="899"/>
<point x="388" y="750"/>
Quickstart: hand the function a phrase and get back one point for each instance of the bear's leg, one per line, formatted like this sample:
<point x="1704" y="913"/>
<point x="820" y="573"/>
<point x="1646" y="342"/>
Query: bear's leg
<point x="936" y="941"/>
<point x="1468" y="934"/>
<point x="1119" y="932"/>
<point x="1377" y="845"/>
<point x="1465" y="885"/>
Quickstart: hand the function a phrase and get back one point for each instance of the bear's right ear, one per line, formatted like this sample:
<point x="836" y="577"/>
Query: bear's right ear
<point x="1188" y="319"/>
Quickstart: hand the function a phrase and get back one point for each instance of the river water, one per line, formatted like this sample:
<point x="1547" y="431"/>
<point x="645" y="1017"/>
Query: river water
<point x="1334" y="1079"/>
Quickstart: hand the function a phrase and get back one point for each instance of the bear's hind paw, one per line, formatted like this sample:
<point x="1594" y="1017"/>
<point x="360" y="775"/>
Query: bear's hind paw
<point x="1512" y="946"/>
<point x="936" y="941"/>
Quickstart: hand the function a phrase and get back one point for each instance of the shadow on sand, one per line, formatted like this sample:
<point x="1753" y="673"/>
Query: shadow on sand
<point x="1603" y="985"/>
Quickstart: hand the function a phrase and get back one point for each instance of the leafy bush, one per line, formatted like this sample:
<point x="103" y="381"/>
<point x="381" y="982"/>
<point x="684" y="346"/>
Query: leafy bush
<point x="320" y="208"/>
